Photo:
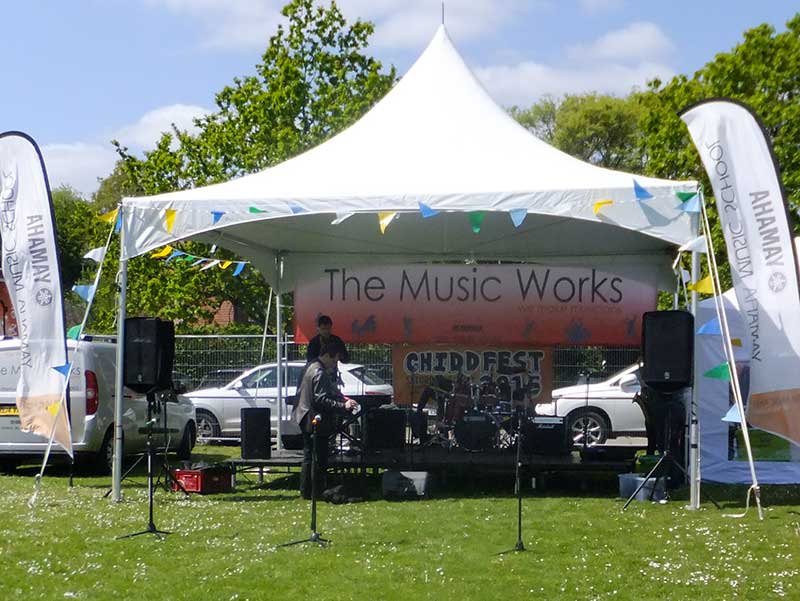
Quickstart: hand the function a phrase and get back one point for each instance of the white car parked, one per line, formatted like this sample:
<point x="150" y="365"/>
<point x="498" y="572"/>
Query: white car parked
<point x="599" y="411"/>
<point x="219" y="409"/>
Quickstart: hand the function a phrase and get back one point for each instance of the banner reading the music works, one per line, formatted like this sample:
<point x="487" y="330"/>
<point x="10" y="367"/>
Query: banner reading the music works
<point x="478" y="304"/>
<point x="752" y="212"/>
<point x="512" y="370"/>
<point x="32" y="275"/>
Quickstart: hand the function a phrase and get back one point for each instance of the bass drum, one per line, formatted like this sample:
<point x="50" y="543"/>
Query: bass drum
<point x="476" y="432"/>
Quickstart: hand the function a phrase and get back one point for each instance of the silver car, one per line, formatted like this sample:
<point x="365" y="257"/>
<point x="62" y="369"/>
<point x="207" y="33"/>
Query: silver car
<point x="219" y="409"/>
<point x="599" y="411"/>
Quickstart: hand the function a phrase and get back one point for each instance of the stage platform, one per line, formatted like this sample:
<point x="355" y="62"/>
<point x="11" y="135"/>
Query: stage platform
<point x="456" y="461"/>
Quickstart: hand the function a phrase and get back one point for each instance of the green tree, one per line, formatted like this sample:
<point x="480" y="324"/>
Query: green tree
<point x="597" y="128"/>
<point x="77" y="232"/>
<point x="762" y="71"/>
<point x="312" y="82"/>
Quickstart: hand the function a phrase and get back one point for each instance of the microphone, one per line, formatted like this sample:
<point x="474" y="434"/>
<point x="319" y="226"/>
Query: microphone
<point x="316" y="420"/>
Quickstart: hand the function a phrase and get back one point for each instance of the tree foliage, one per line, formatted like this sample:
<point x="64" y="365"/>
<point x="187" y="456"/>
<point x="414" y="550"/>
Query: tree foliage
<point x="314" y="80"/>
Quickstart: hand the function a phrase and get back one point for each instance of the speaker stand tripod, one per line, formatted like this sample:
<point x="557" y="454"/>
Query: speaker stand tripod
<point x="149" y="430"/>
<point x="315" y="536"/>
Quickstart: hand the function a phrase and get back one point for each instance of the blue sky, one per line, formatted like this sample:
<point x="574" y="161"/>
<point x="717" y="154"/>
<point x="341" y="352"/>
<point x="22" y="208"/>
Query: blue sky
<point x="79" y="73"/>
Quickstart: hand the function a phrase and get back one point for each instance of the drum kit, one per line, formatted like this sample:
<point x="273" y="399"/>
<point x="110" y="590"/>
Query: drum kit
<point x="481" y="417"/>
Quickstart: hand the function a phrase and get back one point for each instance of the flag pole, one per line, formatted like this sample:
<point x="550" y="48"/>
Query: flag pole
<point x="122" y="283"/>
<point x="726" y="338"/>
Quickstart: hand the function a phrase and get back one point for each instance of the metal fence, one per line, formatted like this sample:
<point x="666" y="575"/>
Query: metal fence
<point x="199" y="358"/>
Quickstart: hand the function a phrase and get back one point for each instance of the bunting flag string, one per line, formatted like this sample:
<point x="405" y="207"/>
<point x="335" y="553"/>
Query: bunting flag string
<point x="600" y="204"/>
<point x="641" y="193"/>
<point x="385" y="218"/>
<point x="178" y="256"/>
<point x="518" y="216"/>
<point x="476" y="220"/>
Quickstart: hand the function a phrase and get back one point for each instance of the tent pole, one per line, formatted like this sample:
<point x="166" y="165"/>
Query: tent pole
<point x="694" y="434"/>
<point x="279" y="350"/>
<point x="122" y="284"/>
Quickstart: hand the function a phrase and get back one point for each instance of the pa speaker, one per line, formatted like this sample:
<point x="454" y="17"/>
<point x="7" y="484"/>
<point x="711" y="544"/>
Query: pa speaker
<point x="385" y="429"/>
<point x="149" y="354"/>
<point x="256" y="433"/>
<point x="667" y="349"/>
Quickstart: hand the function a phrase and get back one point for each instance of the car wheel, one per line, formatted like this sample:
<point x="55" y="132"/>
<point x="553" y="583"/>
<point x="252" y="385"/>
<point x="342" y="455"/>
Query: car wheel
<point x="104" y="458"/>
<point x="207" y="425"/>
<point x="184" y="452"/>
<point x="587" y="427"/>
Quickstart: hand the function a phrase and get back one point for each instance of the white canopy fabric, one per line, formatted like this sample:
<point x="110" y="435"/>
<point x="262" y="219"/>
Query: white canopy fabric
<point x="436" y="138"/>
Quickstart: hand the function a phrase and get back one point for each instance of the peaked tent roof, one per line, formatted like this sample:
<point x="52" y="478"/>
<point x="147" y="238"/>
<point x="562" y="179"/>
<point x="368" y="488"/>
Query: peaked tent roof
<point x="436" y="138"/>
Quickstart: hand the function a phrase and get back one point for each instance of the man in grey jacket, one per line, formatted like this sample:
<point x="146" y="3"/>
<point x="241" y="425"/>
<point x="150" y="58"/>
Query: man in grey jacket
<point x="318" y="399"/>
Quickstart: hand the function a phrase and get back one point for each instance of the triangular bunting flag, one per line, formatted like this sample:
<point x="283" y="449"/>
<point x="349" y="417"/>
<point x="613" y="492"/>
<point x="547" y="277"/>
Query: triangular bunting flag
<point x="384" y="219"/>
<point x="600" y="204"/>
<point x="225" y="264"/>
<point x="85" y="291"/>
<point x="692" y="205"/>
<point x="711" y="328"/>
<point x="216" y="216"/>
<point x="341" y="217"/>
<point x="296" y="209"/>
<point x="63" y="369"/>
<point x="73" y="332"/>
<point x="697" y="245"/>
<point x="118" y="224"/>
<point x="239" y="268"/>
<point x="109" y="217"/>
<point x="169" y="219"/>
<point x="200" y="260"/>
<point x="427" y="211"/>
<point x="256" y="210"/>
<point x="52" y="408"/>
<point x="210" y="265"/>
<point x="686" y="276"/>
<point x="641" y="193"/>
<point x="96" y="254"/>
<point x="736" y="342"/>
<point x="684" y="196"/>
<point x="704" y="286"/>
<point x="476" y="220"/>
<point x="720" y="372"/>
<point x="732" y="416"/>
<point x="162" y="253"/>
<point x="518" y="216"/>
<point x="175" y="254"/>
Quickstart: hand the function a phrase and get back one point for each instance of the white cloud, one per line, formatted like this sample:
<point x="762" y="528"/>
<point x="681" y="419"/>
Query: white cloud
<point x="523" y="83"/>
<point x="148" y="129"/>
<point x="635" y="43"/>
<point x="596" y="6"/>
<point x="78" y="165"/>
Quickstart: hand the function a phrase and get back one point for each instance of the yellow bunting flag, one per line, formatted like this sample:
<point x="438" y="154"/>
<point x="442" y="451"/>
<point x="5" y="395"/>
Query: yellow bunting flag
<point x="109" y="217"/>
<point x="385" y="219"/>
<point x="704" y="286"/>
<point x="225" y="264"/>
<point x="736" y="342"/>
<point x="52" y="408"/>
<point x="170" y="218"/>
<point x="162" y="253"/>
<point x="600" y="204"/>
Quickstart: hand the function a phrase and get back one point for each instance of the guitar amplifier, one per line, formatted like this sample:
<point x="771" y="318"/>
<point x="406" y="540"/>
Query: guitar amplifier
<point x="545" y="436"/>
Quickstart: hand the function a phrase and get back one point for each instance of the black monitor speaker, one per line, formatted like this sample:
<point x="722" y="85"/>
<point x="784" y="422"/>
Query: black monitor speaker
<point x="667" y="349"/>
<point x="385" y="429"/>
<point x="256" y="433"/>
<point x="149" y="354"/>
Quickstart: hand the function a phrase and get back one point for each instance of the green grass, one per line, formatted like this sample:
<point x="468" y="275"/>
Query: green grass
<point x="580" y="544"/>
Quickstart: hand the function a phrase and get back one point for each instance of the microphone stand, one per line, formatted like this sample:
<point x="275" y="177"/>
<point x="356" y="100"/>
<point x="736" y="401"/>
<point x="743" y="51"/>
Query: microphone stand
<point x="520" y="546"/>
<point x="314" y="537"/>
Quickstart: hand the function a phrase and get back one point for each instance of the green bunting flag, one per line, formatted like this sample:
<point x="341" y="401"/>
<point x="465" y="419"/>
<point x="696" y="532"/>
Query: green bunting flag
<point x="476" y="220"/>
<point x="720" y="372"/>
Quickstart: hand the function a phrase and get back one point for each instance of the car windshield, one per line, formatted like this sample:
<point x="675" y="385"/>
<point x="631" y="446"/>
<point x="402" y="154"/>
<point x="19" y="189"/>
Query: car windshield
<point x="367" y="376"/>
<point x="266" y="377"/>
<point x="617" y="376"/>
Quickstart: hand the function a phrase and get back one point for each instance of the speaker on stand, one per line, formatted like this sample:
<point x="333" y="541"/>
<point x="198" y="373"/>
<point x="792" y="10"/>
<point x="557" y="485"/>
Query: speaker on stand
<point x="256" y="433"/>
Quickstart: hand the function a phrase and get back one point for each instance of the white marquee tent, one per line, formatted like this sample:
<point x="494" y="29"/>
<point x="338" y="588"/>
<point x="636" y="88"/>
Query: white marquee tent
<point x="436" y="138"/>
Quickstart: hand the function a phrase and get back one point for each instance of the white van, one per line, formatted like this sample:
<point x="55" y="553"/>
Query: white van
<point x="91" y="410"/>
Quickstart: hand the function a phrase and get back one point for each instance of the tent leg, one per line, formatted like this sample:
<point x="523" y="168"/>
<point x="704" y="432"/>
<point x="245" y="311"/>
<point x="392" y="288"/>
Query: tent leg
<point x="122" y="283"/>
<point x="279" y="354"/>
<point x="694" y="435"/>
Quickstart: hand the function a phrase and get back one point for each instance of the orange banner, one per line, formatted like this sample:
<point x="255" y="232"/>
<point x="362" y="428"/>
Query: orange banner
<point x="513" y="371"/>
<point x="480" y="304"/>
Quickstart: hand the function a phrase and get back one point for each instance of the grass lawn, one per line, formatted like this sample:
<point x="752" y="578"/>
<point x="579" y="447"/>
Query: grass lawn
<point x="580" y="544"/>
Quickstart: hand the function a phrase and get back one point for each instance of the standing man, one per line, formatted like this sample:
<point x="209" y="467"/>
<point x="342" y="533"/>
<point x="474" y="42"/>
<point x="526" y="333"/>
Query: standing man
<point x="324" y="327"/>
<point x="319" y="396"/>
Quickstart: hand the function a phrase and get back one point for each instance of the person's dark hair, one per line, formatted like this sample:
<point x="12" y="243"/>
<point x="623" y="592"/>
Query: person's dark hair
<point x="331" y="347"/>
<point x="324" y="320"/>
